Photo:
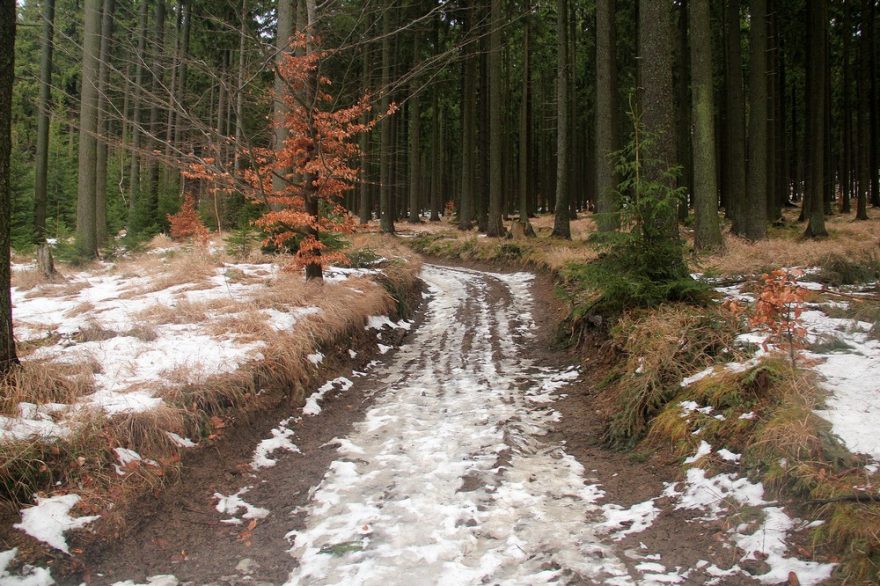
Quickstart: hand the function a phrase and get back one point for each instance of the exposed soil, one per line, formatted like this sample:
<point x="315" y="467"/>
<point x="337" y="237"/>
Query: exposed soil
<point x="179" y="532"/>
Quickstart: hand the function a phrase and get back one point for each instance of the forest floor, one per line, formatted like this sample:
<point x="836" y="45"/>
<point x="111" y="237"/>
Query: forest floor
<point x="469" y="454"/>
<point x="466" y="455"/>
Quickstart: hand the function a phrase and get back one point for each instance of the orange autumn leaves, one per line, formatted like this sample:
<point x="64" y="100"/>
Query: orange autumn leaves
<point x="301" y="183"/>
<point x="778" y="310"/>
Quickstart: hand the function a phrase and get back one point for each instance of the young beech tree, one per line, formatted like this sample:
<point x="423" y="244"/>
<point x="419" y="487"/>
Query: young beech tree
<point x="303" y="181"/>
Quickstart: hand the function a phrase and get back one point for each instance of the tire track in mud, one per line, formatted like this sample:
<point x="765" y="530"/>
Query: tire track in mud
<point x="448" y="478"/>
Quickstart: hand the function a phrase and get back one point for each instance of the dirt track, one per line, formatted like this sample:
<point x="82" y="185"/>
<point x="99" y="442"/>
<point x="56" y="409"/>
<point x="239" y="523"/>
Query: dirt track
<point x="453" y="469"/>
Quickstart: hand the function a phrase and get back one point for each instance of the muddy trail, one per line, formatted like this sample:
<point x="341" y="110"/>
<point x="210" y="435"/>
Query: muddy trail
<point x="468" y="455"/>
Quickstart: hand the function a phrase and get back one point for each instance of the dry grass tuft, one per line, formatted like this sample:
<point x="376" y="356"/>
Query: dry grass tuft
<point x="786" y="248"/>
<point x="191" y="269"/>
<point x="248" y="326"/>
<point x="661" y="348"/>
<point x="184" y="312"/>
<point x="92" y="331"/>
<point x="58" y="289"/>
<point x="145" y="431"/>
<point x="31" y="278"/>
<point x="30" y="466"/>
<point x="143" y="332"/>
<point x="46" y="381"/>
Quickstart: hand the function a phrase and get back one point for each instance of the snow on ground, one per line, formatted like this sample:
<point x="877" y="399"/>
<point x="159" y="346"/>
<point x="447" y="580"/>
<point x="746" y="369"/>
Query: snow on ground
<point x="132" y="366"/>
<point x="50" y="518"/>
<point x="761" y="535"/>
<point x="851" y="374"/>
<point x="448" y="478"/>
<point x="280" y="440"/>
<point x="29" y="575"/>
<point x="232" y="504"/>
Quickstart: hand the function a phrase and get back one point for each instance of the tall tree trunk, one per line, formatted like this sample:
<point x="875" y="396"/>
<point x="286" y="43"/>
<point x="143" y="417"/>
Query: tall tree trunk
<point x="437" y="145"/>
<point x="180" y="91"/>
<point x="8" y="356"/>
<point x="86" y="238"/>
<point x="875" y="123"/>
<point x="239" y="89"/>
<point x="817" y="19"/>
<point x="846" y="111"/>
<point x="682" y="107"/>
<point x="707" y="234"/>
<point x="524" y="124"/>
<point x="152" y="207"/>
<point x="415" y="135"/>
<point x="386" y="203"/>
<point x="364" y="145"/>
<point x="283" y="32"/>
<point x="773" y="215"/>
<point x="865" y="169"/>
<point x="466" y="211"/>
<point x="494" y="228"/>
<point x="735" y="159"/>
<point x="45" y="113"/>
<point x="755" y="214"/>
<point x="483" y="118"/>
<point x="657" y="116"/>
<point x="562" y="220"/>
<point x="103" y="124"/>
<point x="134" y="174"/>
<point x="607" y="124"/>
<point x="310" y="93"/>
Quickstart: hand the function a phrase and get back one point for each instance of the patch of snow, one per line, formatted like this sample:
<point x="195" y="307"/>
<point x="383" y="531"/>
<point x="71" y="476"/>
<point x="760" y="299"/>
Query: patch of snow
<point x="767" y="542"/>
<point x="230" y="505"/>
<point x="697" y="377"/>
<point x="687" y="407"/>
<point x="50" y="518"/>
<point x="316" y="358"/>
<point x="352" y="353"/>
<point x="621" y="521"/>
<point x="383" y="348"/>
<point x="728" y="456"/>
<point x="180" y="442"/>
<point x="126" y="457"/>
<point x="704" y="450"/>
<point x="30" y="575"/>
<point x="312" y="406"/>
<point x="159" y="580"/>
<point x="280" y="440"/>
<point x="282" y="321"/>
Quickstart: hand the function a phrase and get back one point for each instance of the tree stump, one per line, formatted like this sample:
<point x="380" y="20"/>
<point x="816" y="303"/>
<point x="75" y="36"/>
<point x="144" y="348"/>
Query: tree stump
<point x="45" y="264"/>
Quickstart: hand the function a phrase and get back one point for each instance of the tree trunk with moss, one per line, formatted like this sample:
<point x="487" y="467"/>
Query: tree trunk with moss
<point x="494" y="227"/>
<point x="707" y="229"/>
<point x="8" y="356"/>
<point x="524" y="125"/>
<point x="386" y="204"/>
<point x="86" y="237"/>
<point x="562" y="220"/>
<point x="817" y="19"/>
<point x="41" y="170"/>
<point x="607" y="142"/>
<point x="864" y="117"/>
<point x="754" y="216"/>
<point x="735" y="120"/>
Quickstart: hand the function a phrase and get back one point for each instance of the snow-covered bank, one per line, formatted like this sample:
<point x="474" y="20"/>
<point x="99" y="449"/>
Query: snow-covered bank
<point x="197" y="321"/>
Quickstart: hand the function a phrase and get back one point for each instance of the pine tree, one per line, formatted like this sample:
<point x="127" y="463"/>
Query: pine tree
<point x="8" y="356"/>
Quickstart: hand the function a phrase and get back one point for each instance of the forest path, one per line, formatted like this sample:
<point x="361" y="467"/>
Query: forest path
<point x="448" y="463"/>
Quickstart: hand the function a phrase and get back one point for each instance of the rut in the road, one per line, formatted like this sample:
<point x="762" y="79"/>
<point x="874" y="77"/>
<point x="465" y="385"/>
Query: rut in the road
<point x="448" y="479"/>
